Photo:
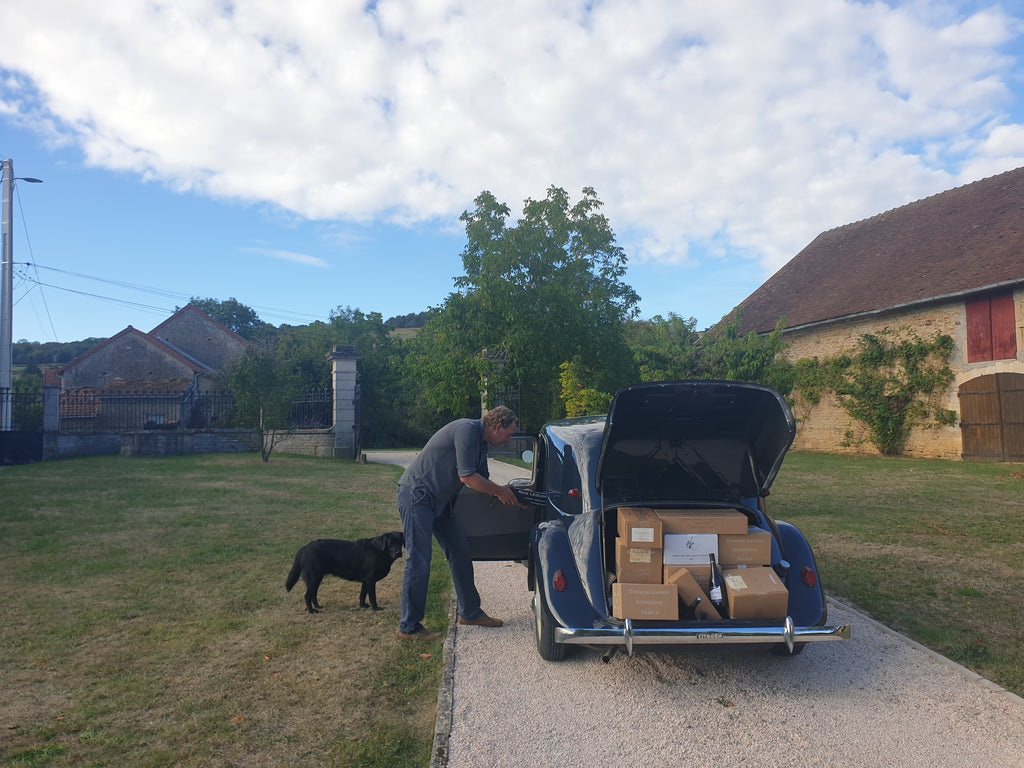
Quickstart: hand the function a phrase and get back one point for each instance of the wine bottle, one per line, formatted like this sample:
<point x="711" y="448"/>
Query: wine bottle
<point x="691" y="609"/>
<point x="715" y="592"/>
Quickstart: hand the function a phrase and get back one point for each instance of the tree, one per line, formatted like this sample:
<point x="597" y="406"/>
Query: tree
<point x="544" y="291"/>
<point x="578" y="398"/>
<point x="664" y="349"/>
<point x="233" y="315"/>
<point x="725" y="354"/>
<point x="264" y="391"/>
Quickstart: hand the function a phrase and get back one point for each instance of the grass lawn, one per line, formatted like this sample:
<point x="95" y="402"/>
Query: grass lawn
<point x="933" y="549"/>
<point x="145" y="620"/>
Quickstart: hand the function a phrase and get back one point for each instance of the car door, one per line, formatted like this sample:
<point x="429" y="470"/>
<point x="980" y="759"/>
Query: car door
<point x="497" y="531"/>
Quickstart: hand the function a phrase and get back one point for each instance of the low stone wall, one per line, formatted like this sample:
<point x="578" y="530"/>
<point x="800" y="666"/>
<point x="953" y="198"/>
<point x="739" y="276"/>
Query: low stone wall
<point x="306" y="442"/>
<point x="67" y="445"/>
<point x="186" y="442"/>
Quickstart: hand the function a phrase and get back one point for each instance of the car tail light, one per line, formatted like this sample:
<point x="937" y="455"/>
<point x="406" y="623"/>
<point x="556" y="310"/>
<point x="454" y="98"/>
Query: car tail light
<point x="809" y="577"/>
<point x="558" y="582"/>
<point x="574" y="493"/>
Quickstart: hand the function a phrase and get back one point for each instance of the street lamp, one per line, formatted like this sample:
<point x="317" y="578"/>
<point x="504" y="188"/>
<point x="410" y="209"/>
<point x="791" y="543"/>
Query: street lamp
<point x="7" y="296"/>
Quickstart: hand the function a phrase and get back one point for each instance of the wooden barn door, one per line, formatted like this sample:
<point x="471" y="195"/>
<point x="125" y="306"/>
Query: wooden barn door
<point x="992" y="417"/>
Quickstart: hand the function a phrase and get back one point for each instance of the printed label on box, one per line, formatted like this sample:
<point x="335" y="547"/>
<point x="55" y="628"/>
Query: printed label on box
<point x="642" y="535"/>
<point x="735" y="582"/>
<point x="690" y="548"/>
<point x="640" y="555"/>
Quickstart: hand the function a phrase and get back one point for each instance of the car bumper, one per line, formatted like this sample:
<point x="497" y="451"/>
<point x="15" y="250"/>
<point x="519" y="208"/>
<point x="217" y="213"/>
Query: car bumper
<point x="708" y="634"/>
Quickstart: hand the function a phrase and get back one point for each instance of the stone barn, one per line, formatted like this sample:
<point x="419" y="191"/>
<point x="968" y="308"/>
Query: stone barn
<point x="952" y="263"/>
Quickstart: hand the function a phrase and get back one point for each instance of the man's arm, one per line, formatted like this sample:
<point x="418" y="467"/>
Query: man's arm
<point x="482" y="484"/>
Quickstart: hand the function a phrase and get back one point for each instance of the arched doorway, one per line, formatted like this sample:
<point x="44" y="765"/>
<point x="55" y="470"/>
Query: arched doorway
<point x="992" y="417"/>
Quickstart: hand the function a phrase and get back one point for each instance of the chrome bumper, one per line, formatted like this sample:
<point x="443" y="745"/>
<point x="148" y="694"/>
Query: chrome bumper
<point x="713" y="634"/>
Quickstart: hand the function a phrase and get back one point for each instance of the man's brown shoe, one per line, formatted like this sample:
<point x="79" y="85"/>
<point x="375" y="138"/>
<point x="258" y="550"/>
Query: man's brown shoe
<point x="420" y="634"/>
<point x="483" y="620"/>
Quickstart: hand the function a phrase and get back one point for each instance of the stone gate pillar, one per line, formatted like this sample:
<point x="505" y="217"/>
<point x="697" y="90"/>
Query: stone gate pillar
<point x="51" y="414"/>
<point x="343" y="361"/>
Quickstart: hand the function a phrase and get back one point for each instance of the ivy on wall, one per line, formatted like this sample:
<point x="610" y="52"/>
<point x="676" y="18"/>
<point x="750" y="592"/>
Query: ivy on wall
<point x="890" y="383"/>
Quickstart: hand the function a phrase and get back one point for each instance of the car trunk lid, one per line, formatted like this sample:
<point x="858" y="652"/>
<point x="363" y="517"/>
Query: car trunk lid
<point x="677" y="442"/>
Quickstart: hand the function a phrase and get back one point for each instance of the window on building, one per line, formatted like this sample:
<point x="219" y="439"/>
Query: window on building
<point x="991" y="328"/>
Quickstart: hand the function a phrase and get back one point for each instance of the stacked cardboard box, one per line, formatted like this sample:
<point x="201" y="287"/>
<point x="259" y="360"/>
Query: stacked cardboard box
<point x="662" y="559"/>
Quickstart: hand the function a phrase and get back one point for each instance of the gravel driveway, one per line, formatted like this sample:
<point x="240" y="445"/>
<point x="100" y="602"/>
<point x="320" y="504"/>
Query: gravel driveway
<point x="876" y="700"/>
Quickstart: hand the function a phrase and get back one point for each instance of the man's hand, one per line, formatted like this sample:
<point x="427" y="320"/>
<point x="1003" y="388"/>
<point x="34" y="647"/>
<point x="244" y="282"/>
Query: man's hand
<point x="482" y="484"/>
<point x="505" y="496"/>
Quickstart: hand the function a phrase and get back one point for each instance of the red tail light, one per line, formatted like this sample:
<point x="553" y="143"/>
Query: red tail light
<point x="558" y="582"/>
<point x="809" y="577"/>
<point x="574" y="493"/>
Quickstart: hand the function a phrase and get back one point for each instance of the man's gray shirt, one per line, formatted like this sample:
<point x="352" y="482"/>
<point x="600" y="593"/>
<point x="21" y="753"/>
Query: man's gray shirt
<point x="456" y="450"/>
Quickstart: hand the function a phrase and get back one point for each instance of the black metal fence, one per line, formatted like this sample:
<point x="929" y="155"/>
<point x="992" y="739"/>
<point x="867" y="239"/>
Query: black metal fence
<point x="90" y="410"/>
<point x="24" y="408"/>
<point x="314" y="410"/>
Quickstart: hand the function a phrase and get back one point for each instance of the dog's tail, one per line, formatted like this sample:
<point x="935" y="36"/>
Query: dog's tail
<point x="293" y="575"/>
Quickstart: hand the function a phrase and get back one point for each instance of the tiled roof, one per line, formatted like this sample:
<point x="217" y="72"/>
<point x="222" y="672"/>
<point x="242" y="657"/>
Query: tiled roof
<point x="964" y="240"/>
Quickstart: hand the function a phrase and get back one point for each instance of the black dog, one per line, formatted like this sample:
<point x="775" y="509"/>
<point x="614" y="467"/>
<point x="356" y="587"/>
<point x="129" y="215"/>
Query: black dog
<point x="364" y="560"/>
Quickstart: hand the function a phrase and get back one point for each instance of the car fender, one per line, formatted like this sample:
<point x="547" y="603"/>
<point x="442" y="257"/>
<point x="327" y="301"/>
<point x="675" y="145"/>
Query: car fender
<point x="552" y="552"/>
<point x="806" y="604"/>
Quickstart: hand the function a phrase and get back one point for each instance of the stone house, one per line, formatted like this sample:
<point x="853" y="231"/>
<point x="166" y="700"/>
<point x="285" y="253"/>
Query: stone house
<point x="953" y="264"/>
<point x="182" y="355"/>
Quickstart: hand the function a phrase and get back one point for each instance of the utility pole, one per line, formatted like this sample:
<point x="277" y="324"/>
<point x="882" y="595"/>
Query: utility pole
<point x="7" y="298"/>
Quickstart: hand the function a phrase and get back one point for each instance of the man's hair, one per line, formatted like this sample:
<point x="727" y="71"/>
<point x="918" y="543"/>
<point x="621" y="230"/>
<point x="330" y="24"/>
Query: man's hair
<point x="499" y="417"/>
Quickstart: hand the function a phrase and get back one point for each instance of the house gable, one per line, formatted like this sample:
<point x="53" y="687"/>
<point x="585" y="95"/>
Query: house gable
<point x="965" y="241"/>
<point x="130" y="356"/>
<point x="200" y="337"/>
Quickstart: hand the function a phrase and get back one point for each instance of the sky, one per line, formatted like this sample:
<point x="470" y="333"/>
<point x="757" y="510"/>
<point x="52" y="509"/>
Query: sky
<point x="309" y="157"/>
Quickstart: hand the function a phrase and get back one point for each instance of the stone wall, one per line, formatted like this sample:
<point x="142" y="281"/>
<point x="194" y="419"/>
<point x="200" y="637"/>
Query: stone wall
<point x="825" y="427"/>
<point x="64" y="445"/>
<point x="307" y="442"/>
<point x="188" y="441"/>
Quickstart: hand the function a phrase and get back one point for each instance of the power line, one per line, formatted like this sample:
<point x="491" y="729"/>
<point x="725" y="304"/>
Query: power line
<point x="281" y="314"/>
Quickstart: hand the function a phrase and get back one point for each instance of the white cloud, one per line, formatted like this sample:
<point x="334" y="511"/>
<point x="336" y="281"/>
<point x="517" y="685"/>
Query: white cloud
<point x="726" y="126"/>
<point x="295" y="258"/>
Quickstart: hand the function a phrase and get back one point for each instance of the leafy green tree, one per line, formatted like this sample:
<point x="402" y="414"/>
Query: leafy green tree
<point x="534" y="294"/>
<point x="664" y="348"/>
<point x="386" y="397"/>
<point x="301" y="355"/>
<point x="232" y="314"/>
<point x="264" y="391"/>
<point x="727" y="355"/>
<point x="27" y="409"/>
<point x="578" y="398"/>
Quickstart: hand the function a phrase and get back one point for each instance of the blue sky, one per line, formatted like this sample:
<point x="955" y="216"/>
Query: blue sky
<point x="308" y="156"/>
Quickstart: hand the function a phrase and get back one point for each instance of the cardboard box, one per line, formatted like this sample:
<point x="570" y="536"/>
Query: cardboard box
<point x="689" y="591"/>
<point x="718" y="521"/>
<point x="690" y="548"/>
<point x="649" y="602"/>
<point x="638" y="565"/>
<point x="752" y="548"/>
<point x="701" y="574"/>
<point x="640" y="527"/>
<point x="755" y="593"/>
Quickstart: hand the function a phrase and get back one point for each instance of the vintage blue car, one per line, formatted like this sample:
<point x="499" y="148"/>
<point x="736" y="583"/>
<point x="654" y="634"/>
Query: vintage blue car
<point x="708" y="445"/>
